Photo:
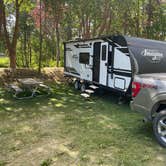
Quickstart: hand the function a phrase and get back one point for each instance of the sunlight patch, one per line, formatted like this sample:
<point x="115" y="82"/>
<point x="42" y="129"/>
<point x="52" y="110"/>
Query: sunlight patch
<point x="53" y="99"/>
<point x="25" y="129"/>
<point x="72" y="154"/>
<point x="2" y="100"/>
<point x="8" y="108"/>
<point x="160" y="158"/>
<point x="59" y="105"/>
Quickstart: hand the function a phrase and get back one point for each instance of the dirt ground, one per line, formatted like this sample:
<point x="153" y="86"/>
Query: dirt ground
<point x="47" y="74"/>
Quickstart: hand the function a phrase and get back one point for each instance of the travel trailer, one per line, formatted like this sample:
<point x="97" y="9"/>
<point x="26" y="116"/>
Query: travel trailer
<point x="112" y="61"/>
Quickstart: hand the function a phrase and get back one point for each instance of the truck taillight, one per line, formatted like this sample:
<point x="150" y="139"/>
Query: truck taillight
<point x="136" y="86"/>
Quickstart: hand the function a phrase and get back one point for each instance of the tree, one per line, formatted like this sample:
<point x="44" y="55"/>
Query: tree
<point x="24" y="46"/>
<point x="8" y="8"/>
<point x="63" y="20"/>
<point x="11" y="43"/>
<point x="55" y="10"/>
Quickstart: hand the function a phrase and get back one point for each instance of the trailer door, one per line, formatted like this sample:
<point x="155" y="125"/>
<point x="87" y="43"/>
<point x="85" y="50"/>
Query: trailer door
<point x="96" y="61"/>
<point x="103" y="63"/>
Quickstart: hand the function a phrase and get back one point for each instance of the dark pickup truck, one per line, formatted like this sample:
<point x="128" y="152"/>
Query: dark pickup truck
<point x="149" y="98"/>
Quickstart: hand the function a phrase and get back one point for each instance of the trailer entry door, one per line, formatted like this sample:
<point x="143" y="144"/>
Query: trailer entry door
<point x="103" y="63"/>
<point x="96" y="61"/>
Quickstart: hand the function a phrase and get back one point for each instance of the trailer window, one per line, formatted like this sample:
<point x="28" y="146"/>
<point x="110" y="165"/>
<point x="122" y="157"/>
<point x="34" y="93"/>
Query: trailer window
<point x="84" y="58"/>
<point x="104" y="51"/>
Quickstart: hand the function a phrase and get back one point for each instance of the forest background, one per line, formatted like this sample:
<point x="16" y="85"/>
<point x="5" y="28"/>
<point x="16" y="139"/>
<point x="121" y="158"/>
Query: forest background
<point x="32" y="32"/>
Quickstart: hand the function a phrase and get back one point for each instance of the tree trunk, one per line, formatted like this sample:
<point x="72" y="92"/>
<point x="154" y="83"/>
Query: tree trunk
<point x="69" y="28"/>
<point x="41" y="39"/>
<point x="83" y="26"/>
<point x="125" y="23"/>
<point x="12" y="56"/>
<point x="106" y="10"/>
<point x="58" y="45"/>
<point x="94" y="27"/>
<point x="1" y="20"/>
<point x="138" y="19"/>
<point x="11" y="45"/>
<point x="22" y="52"/>
<point x="30" y="52"/>
<point x="149" y="19"/>
<point x="87" y="27"/>
<point x="109" y="22"/>
<point x="25" y="50"/>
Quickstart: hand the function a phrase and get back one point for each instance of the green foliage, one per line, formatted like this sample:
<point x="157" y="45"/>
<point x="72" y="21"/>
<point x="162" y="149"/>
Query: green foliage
<point x="46" y="162"/>
<point x="70" y="19"/>
<point x="26" y="5"/>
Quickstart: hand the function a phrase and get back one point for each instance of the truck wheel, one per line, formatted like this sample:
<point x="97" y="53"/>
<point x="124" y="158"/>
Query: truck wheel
<point x="83" y="87"/>
<point x="77" y="84"/>
<point x="159" y="127"/>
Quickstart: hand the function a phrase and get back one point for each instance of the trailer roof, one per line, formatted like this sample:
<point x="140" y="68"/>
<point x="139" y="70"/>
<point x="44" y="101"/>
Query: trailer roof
<point x="141" y="42"/>
<point x="83" y="40"/>
<point x="122" y="40"/>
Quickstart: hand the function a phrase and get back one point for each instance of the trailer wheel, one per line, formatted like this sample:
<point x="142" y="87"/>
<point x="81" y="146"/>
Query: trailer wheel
<point x="83" y="87"/>
<point x="77" y="84"/>
<point x="69" y="80"/>
<point x="159" y="127"/>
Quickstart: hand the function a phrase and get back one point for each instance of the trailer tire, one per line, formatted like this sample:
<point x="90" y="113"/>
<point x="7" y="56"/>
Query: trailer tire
<point x="69" y="80"/>
<point x="77" y="84"/>
<point x="83" y="87"/>
<point x="159" y="128"/>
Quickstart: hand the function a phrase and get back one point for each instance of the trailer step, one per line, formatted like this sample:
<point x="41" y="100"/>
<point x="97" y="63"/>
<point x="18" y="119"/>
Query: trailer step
<point x="85" y="95"/>
<point x="89" y="91"/>
<point x="93" y="87"/>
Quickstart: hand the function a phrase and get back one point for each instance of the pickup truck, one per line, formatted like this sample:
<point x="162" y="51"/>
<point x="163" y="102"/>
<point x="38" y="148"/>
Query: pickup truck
<point x="149" y="98"/>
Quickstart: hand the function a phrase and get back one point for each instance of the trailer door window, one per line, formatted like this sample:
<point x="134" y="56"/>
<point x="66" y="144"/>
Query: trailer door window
<point x="104" y="51"/>
<point x="84" y="58"/>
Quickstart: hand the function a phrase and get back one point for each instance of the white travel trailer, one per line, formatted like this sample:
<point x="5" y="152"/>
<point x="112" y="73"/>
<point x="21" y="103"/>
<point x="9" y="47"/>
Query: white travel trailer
<point x="112" y="61"/>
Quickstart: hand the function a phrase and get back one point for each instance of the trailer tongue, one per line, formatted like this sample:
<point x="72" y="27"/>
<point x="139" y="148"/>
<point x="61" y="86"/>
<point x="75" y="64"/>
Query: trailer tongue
<point x="112" y="61"/>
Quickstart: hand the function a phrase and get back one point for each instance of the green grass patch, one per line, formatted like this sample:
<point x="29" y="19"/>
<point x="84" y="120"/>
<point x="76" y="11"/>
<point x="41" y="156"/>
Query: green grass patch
<point x="4" y="62"/>
<point x="66" y="129"/>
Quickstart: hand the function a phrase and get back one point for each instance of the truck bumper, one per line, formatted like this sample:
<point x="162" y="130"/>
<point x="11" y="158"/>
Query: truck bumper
<point x="141" y="109"/>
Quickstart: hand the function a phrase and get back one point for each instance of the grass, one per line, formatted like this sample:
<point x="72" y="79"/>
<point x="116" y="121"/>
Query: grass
<point x="67" y="129"/>
<point x="4" y="62"/>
